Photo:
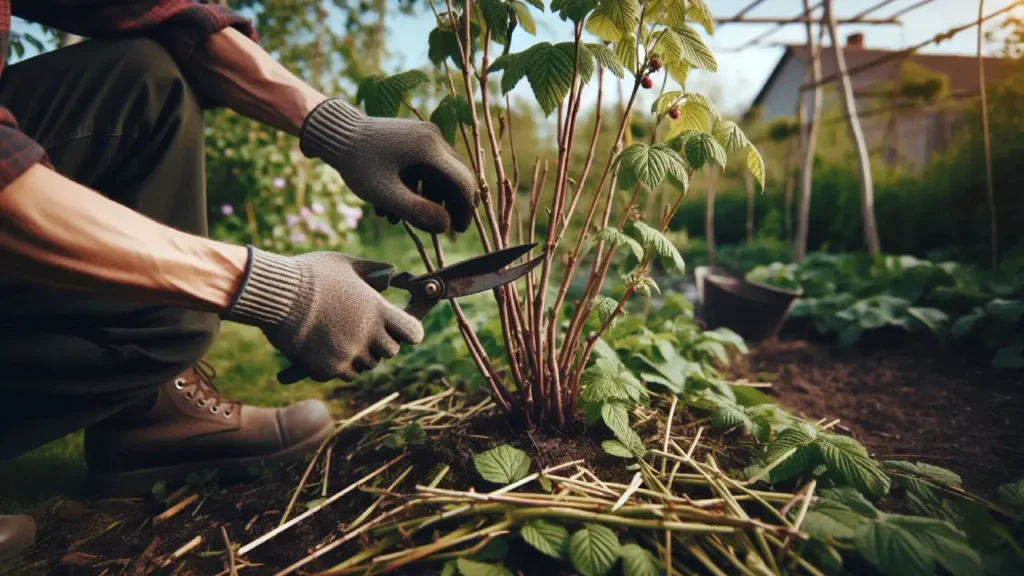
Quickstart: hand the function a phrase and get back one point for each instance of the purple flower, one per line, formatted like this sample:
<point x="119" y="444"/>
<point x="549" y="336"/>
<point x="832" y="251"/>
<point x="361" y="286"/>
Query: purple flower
<point x="351" y="214"/>
<point x="297" y="237"/>
<point x="305" y="213"/>
<point x="279" y="183"/>
<point x="291" y="220"/>
<point x="318" y="208"/>
<point x="227" y="209"/>
<point x="325" y="229"/>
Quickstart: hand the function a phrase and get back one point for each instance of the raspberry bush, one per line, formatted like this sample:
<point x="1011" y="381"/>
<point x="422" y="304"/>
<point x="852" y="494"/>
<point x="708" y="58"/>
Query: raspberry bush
<point x="550" y="339"/>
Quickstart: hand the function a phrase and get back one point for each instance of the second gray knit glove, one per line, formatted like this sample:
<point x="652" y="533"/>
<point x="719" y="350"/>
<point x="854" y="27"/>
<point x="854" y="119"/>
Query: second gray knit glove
<point x="319" y="312"/>
<point x="385" y="160"/>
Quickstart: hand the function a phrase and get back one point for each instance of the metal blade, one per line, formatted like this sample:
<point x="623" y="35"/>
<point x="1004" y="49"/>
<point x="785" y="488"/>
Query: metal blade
<point x="479" y="265"/>
<point x="473" y="284"/>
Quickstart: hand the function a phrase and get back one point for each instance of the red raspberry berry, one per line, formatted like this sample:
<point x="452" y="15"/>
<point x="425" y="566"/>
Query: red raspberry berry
<point x="655" y="63"/>
<point x="646" y="82"/>
<point x="673" y="112"/>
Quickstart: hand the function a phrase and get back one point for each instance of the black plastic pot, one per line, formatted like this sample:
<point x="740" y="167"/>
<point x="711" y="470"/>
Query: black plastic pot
<point x="754" y="311"/>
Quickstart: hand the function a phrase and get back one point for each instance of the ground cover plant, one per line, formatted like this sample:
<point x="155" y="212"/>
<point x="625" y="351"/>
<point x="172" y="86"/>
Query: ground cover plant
<point x="854" y="296"/>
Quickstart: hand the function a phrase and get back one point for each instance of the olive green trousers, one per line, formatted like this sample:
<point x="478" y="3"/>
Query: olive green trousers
<point x="117" y="116"/>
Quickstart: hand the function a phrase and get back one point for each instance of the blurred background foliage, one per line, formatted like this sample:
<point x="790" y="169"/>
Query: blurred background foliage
<point x="262" y="189"/>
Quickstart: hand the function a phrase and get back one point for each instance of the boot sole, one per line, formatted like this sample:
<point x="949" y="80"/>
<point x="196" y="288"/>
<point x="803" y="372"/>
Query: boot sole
<point x="139" y="482"/>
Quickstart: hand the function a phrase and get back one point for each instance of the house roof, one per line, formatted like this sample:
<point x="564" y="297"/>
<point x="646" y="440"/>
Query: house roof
<point x="962" y="70"/>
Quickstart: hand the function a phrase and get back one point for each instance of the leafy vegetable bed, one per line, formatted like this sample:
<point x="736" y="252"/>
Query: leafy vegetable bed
<point x="854" y="297"/>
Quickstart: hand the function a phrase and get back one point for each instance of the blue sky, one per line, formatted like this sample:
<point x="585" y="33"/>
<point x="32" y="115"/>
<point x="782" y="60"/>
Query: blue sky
<point x="741" y="74"/>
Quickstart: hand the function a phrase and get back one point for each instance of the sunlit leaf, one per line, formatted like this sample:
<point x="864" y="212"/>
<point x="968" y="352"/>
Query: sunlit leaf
<point x="502" y="465"/>
<point x="655" y="242"/>
<point x="664" y="102"/>
<point x="699" y="12"/>
<point x="606" y="58"/>
<point x="383" y="96"/>
<point x="755" y="164"/>
<point x="695" y="51"/>
<point x="593" y="550"/>
<point x="613" y="19"/>
<point x="850" y="459"/>
<point x="702" y="149"/>
<point x="551" y="539"/>
<point x="637" y="561"/>
<point x="612" y="235"/>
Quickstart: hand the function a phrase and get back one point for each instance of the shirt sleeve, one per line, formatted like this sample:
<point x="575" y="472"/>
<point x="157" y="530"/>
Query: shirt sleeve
<point x="18" y="152"/>
<point x="180" y="25"/>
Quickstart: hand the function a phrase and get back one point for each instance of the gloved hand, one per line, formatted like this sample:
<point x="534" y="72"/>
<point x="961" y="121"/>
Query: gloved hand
<point x="384" y="159"/>
<point x="319" y="312"/>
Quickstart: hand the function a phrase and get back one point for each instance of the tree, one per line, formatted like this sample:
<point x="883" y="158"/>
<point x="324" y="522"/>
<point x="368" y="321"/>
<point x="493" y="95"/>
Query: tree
<point x="867" y="188"/>
<point x="809" y="139"/>
<point x="989" y="191"/>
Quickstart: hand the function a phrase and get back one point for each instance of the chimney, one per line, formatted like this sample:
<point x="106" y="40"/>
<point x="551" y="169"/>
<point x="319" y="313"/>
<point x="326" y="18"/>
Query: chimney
<point x="855" y="40"/>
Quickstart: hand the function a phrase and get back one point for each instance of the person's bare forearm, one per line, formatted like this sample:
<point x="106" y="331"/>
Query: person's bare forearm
<point x="57" y="233"/>
<point x="246" y="79"/>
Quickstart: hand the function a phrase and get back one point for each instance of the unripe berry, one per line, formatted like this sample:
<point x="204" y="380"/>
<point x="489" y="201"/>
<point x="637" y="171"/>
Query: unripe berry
<point x="655" y="63"/>
<point x="673" y="112"/>
<point x="646" y="81"/>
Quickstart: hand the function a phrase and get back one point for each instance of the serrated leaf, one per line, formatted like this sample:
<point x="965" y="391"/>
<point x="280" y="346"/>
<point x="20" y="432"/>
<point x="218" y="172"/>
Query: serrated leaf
<point x="662" y="104"/>
<point x="586" y="59"/>
<point x="1012" y="496"/>
<point x="728" y="416"/>
<point x="694" y="51"/>
<point x="450" y="112"/>
<point x="699" y="12"/>
<point x="846" y="457"/>
<point x="701" y="149"/>
<point x="616" y="448"/>
<point x="654" y="242"/>
<point x="704" y="102"/>
<point x="524" y="17"/>
<point x="616" y="418"/>
<point x="650" y="165"/>
<point x="575" y="10"/>
<point x="678" y="71"/>
<point x="606" y="59"/>
<point x="613" y="19"/>
<point x="669" y="12"/>
<point x="513" y="67"/>
<point x="605" y="381"/>
<point x="593" y="550"/>
<point x="907" y="546"/>
<point x="612" y="235"/>
<point x="851" y="498"/>
<point x="755" y="164"/>
<point x="729" y="135"/>
<point x="692" y="116"/>
<point x="469" y="567"/>
<point x="605" y="307"/>
<point x="549" y="69"/>
<point x="502" y="465"/>
<point x="830" y="519"/>
<point x="551" y="539"/>
<point x="668" y="46"/>
<point x="495" y="16"/>
<point x="804" y="458"/>
<point x="538" y="4"/>
<point x="625" y="51"/>
<point x="383" y="96"/>
<point x="934" y="474"/>
<point x="637" y="561"/>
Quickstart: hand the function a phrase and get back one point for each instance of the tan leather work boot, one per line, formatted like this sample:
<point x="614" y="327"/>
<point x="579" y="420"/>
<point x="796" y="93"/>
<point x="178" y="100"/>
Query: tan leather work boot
<point x="17" y="534"/>
<point x="191" y="427"/>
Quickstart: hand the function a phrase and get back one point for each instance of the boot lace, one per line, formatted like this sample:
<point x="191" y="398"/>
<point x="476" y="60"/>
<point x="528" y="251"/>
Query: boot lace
<point x="204" y="392"/>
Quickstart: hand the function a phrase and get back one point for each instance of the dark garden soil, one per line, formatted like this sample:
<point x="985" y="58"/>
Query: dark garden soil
<point x="118" y="536"/>
<point x="904" y="401"/>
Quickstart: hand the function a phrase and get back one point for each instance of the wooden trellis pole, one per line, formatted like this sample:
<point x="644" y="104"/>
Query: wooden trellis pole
<point x="809" y="139"/>
<point x="867" y="188"/>
<point x="989" y="190"/>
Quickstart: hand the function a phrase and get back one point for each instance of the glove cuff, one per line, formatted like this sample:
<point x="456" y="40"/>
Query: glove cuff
<point x="332" y="128"/>
<point x="271" y="287"/>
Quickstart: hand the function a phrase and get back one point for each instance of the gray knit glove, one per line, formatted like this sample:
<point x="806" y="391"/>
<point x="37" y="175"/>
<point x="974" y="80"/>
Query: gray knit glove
<point x="383" y="161"/>
<point x="318" y="310"/>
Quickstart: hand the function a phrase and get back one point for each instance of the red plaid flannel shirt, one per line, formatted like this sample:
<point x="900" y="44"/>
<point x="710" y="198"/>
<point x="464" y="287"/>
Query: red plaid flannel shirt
<point x="181" y="25"/>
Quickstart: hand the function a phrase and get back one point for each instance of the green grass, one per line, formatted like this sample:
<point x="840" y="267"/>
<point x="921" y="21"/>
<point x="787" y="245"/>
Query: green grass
<point x="246" y="367"/>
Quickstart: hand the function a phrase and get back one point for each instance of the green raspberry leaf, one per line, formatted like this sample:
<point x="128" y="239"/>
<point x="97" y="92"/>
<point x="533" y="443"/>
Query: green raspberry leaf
<point x="551" y="539"/>
<point x="502" y="465"/>
<point x="594" y="549"/>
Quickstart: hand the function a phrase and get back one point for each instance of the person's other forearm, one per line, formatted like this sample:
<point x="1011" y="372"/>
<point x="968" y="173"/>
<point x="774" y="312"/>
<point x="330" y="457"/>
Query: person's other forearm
<point x="57" y="233"/>
<point x="249" y="81"/>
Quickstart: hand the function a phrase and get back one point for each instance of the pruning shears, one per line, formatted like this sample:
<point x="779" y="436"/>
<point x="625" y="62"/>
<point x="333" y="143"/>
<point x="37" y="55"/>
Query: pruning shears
<point x="471" y="276"/>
